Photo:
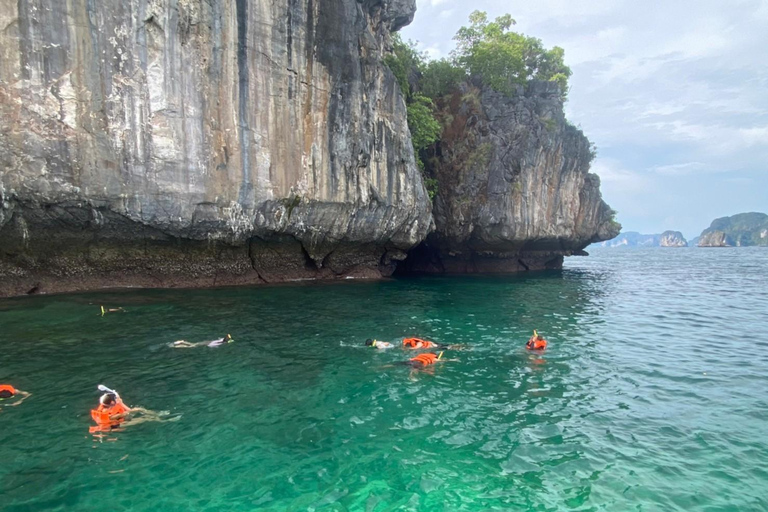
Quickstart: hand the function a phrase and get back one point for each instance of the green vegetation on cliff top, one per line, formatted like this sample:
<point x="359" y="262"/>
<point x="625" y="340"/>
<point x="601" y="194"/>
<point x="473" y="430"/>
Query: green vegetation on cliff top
<point x="485" y="49"/>
<point x="743" y="229"/>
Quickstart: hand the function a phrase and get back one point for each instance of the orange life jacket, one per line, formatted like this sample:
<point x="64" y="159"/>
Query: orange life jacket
<point x="9" y="388"/>
<point x="101" y="415"/>
<point x="536" y="344"/>
<point x="425" y="359"/>
<point x="418" y="343"/>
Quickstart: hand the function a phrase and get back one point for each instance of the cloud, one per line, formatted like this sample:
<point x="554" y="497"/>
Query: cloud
<point x="755" y="136"/>
<point x="678" y="169"/>
<point x="672" y="93"/>
<point x="618" y="179"/>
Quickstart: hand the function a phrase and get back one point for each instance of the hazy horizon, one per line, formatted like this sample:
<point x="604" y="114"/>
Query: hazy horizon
<point x="672" y="95"/>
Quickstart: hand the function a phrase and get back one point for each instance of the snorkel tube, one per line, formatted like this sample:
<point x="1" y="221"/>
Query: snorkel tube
<point x="105" y="389"/>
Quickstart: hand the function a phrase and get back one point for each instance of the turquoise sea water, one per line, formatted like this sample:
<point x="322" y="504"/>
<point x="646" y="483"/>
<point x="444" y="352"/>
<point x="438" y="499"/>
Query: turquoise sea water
<point x="652" y="395"/>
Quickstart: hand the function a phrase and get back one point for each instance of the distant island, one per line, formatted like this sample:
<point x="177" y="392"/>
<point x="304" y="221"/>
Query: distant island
<point x="635" y="239"/>
<point x="742" y="230"/>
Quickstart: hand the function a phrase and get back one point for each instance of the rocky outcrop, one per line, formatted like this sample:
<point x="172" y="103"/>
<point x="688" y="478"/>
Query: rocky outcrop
<point x="631" y="239"/>
<point x="715" y="239"/>
<point x="514" y="188"/>
<point x="195" y="143"/>
<point x="741" y="230"/>
<point x="189" y="142"/>
<point x="635" y="239"/>
<point x="672" y="239"/>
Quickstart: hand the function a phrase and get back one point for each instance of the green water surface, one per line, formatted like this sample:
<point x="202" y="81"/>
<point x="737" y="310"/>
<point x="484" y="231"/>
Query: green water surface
<point x="651" y="396"/>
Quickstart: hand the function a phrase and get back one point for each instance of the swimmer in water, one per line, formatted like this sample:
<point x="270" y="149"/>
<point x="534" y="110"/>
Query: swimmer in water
<point x="8" y="392"/>
<point x="104" y="310"/>
<point x="113" y="414"/>
<point x="426" y="361"/>
<point x="418" y="343"/>
<point x="536" y="342"/>
<point x="381" y="345"/>
<point x="213" y="344"/>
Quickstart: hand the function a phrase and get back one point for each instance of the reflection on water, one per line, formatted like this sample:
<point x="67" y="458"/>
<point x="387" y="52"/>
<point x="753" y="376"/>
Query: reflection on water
<point x="647" y="398"/>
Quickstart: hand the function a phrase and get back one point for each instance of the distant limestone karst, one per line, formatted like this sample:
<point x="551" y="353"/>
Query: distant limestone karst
<point x="672" y="239"/>
<point x="635" y="239"/>
<point x="741" y="230"/>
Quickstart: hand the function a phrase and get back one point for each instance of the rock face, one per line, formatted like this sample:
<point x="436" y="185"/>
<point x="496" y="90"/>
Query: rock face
<point x="635" y="239"/>
<point x="715" y="239"/>
<point x="514" y="191"/>
<point x="744" y="229"/>
<point x="631" y="239"/>
<point x="196" y="143"/>
<point x="672" y="239"/>
<point x="190" y="142"/>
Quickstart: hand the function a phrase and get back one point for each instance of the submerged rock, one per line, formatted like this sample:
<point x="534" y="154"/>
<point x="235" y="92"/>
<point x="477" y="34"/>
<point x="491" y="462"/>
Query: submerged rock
<point x="514" y="188"/>
<point x="165" y="143"/>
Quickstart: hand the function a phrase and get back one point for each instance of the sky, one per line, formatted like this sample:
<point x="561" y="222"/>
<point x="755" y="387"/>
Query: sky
<point x="674" y="94"/>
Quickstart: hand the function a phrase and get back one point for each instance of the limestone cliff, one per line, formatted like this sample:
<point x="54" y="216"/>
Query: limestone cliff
<point x="741" y="230"/>
<point x="190" y="142"/>
<point x="197" y="143"/>
<point x="672" y="239"/>
<point x="514" y="188"/>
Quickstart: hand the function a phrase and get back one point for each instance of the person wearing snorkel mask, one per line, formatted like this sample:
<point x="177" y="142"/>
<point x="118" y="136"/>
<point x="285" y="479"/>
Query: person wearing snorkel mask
<point x="212" y="344"/>
<point x="8" y="392"/>
<point x="381" y="345"/>
<point x="113" y="414"/>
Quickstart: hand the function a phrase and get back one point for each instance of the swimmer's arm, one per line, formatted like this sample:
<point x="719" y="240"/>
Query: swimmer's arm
<point x="23" y="394"/>
<point x="184" y="344"/>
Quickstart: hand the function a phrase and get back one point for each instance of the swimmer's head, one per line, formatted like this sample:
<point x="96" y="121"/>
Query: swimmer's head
<point x="5" y="394"/>
<point x="370" y="343"/>
<point x="228" y="338"/>
<point x="108" y="399"/>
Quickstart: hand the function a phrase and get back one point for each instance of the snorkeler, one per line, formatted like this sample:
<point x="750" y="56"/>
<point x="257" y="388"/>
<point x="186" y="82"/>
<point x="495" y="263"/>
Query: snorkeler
<point x="536" y="342"/>
<point x="7" y="391"/>
<point x="213" y="344"/>
<point x="104" y="310"/>
<point x="381" y="345"/>
<point x="418" y="343"/>
<point x="112" y="413"/>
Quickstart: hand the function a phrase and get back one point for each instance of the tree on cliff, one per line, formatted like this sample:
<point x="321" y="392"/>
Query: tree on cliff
<point x="501" y="57"/>
<point x="488" y="50"/>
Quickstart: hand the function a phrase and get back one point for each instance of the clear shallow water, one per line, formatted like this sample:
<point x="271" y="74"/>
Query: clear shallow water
<point x="652" y="396"/>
